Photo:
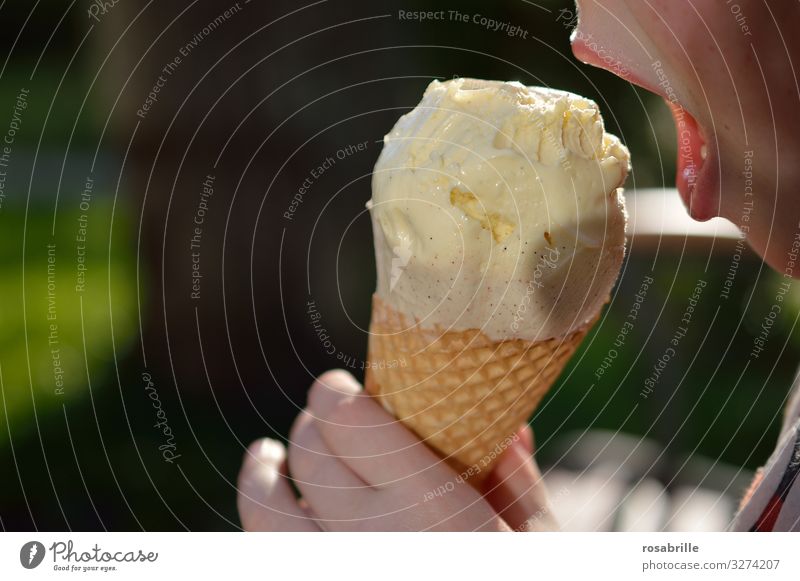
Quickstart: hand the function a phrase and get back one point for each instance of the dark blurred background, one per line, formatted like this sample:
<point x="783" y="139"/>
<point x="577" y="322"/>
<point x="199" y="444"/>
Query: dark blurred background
<point x="154" y="294"/>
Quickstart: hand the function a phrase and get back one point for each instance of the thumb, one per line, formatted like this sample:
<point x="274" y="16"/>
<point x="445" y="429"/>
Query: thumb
<point x="515" y="488"/>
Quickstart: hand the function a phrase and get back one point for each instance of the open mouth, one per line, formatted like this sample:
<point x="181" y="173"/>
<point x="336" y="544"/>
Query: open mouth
<point x="694" y="174"/>
<point x="697" y="176"/>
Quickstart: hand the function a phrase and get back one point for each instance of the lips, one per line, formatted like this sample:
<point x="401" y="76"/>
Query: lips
<point x="692" y="152"/>
<point x="697" y="176"/>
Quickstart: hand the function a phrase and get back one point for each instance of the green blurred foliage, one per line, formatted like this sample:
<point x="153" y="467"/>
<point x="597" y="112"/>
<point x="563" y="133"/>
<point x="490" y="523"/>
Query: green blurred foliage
<point x="54" y="107"/>
<point x="55" y="339"/>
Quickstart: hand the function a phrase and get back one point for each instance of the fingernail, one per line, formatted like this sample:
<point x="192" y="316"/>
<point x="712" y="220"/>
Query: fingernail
<point x="329" y="391"/>
<point x="266" y="451"/>
<point x="339" y="380"/>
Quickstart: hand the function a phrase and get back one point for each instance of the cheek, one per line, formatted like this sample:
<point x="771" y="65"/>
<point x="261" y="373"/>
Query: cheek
<point x="665" y="46"/>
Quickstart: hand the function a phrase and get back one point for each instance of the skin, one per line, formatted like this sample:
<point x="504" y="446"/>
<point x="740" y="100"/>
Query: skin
<point x="733" y="90"/>
<point x="737" y="79"/>
<point x="358" y="469"/>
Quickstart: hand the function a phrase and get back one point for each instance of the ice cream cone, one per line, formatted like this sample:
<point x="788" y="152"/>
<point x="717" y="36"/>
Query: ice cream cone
<point x="463" y="393"/>
<point x="507" y="201"/>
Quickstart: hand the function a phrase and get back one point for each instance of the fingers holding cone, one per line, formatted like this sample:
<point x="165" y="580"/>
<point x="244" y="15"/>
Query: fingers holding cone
<point x="515" y="488"/>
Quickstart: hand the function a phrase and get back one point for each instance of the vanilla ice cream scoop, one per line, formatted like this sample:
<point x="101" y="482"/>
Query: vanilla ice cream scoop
<point x="498" y="207"/>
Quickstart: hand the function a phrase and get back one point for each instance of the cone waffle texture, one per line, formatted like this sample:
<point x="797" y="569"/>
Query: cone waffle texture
<point x="464" y="394"/>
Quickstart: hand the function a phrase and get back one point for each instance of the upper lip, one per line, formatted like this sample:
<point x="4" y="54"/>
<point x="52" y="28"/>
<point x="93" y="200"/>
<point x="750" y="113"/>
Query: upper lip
<point x="699" y="195"/>
<point x="583" y="52"/>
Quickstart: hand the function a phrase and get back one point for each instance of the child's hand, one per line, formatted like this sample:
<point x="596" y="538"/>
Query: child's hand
<point x="357" y="468"/>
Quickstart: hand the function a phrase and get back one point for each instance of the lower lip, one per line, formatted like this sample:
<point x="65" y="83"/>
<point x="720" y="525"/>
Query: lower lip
<point x="695" y="177"/>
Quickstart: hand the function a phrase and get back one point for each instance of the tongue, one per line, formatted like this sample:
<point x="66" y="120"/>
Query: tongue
<point x="691" y="152"/>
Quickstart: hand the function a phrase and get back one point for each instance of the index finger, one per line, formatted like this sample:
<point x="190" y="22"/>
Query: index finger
<point x="367" y="438"/>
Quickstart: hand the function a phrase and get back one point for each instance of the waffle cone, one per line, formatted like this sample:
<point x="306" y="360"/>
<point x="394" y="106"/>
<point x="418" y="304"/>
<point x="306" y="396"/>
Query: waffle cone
<point x="463" y="393"/>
